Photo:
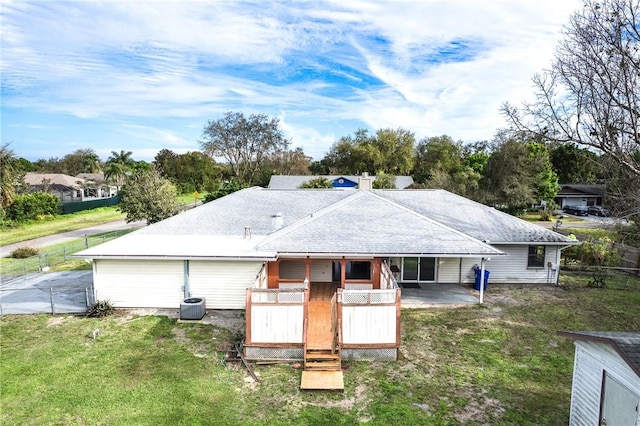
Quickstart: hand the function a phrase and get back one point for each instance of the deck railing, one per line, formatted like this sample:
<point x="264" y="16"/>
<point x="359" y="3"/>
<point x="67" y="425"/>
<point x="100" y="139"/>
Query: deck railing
<point x="370" y="317"/>
<point x="387" y="280"/>
<point x="274" y="316"/>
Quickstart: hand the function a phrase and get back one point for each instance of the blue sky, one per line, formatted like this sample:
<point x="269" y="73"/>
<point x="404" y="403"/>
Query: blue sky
<point x="146" y="75"/>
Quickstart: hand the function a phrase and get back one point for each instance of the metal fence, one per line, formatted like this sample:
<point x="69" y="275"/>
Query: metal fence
<point x="16" y="268"/>
<point x="45" y="300"/>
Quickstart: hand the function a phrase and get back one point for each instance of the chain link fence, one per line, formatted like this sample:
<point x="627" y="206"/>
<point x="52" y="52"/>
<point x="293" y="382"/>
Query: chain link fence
<point x="13" y="269"/>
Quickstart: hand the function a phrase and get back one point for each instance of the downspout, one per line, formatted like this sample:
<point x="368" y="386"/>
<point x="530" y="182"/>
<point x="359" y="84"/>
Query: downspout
<point x="186" y="287"/>
<point x="482" y="260"/>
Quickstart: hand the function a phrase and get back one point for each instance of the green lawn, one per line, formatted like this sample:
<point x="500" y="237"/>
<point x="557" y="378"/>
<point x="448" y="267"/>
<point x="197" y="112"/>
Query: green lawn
<point x="501" y="364"/>
<point x="59" y="224"/>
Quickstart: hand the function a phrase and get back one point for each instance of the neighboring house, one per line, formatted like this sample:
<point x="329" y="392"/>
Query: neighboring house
<point x="580" y="195"/>
<point x="96" y="186"/>
<point x="606" y="378"/>
<point x="337" y="181"/>
<point x="84" y="187"/>
<point x="67" y="188"/>
<point x="298" y="258"/>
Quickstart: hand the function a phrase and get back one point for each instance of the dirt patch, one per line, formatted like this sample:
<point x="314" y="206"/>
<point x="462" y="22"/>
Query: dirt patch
<point x="53" y="321"/>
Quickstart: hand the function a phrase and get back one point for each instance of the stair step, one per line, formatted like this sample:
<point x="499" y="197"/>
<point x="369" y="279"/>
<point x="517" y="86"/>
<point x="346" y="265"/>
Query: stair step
<point x="323" y="365"/>
<point x="323" y="356"/>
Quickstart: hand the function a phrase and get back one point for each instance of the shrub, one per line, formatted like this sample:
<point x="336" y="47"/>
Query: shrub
<point x="100" y="309"/>
<point x="30" y="206"/>
<point x="24" y="252"/>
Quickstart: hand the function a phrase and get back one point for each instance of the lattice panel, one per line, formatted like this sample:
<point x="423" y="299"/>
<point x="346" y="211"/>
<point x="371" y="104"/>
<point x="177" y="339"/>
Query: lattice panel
<point x="381" y="354"/>
<point x="254" y="353"/>
<point x="276" y="296"/>
<point x="365" y="297"/>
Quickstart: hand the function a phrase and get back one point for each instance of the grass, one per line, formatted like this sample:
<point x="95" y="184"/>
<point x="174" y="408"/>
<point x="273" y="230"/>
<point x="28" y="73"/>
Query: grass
<point x="59" y="224"/>
<point x="501" y="363"/>
<point x="56" y="256"/>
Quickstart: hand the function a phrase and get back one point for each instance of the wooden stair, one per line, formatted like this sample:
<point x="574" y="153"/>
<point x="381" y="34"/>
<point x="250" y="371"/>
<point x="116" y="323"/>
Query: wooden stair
<point x="322" y="360"/>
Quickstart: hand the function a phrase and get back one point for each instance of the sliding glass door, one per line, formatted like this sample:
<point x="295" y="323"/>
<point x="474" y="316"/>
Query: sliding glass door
<point x="419" y="269"/>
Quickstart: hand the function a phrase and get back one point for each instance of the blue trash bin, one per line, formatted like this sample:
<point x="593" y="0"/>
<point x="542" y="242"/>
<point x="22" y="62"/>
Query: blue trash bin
<point x="476" y="285"/>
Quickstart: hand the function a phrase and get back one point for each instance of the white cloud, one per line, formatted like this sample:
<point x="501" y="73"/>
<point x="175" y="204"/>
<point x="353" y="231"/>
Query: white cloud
<point x="326" y="67"/>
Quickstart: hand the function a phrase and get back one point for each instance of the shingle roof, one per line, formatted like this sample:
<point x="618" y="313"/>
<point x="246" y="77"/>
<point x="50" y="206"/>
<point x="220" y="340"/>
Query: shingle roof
<point x="57" y="178"/>
<point x="294" y="181"/>
<point x="626" y="344"/>
<point x="365" y="223"/>
<point x="328" y="221"/>
<point x="474" y="219"/>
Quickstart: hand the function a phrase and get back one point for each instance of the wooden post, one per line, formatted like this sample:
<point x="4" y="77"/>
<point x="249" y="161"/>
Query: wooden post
<point x="247" y="319"/>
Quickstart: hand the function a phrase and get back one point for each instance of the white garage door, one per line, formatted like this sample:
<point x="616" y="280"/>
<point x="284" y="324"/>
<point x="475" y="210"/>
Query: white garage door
<point x="139" y="283"/>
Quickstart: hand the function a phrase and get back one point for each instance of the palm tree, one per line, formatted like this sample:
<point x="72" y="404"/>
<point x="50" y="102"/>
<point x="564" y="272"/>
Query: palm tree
<point x="118" y="165"/>
<point x="10" y="174"/>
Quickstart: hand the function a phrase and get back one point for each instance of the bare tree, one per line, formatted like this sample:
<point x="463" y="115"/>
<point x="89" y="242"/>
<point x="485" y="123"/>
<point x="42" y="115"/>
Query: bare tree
<point x="245" y="142"/>
<point x="591" y="94"/>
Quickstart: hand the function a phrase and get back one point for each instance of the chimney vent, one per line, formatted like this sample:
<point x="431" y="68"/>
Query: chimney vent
<point x="247" y="232"/>
<point x="365" y="182"/>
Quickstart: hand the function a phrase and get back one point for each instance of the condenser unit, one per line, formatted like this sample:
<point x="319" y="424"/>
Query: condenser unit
<point x="193" y="308"/>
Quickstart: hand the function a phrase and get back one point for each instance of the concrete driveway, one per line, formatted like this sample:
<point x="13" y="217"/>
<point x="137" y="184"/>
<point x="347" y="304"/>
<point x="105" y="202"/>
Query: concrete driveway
<point x="54" y="292"/>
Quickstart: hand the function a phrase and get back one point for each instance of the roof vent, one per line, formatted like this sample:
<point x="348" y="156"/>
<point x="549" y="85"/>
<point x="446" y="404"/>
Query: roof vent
<point x="278" y="220"/>
<point x="247" y="232"/>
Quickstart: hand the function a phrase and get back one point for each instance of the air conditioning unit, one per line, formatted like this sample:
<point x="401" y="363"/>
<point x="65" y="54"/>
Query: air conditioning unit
<point x="193" y="308"/>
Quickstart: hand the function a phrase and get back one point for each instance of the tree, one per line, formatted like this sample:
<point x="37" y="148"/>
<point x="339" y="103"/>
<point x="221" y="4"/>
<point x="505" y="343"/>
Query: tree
<point x="10" y="175"/>
<point x="291" y="162"/>
<point x="148" y="196"/>
<point x="225" y="188"/>
<point x="192" y="171"/>
<point x="573" y="164"/>
<point x="591" y="93"/>
<point x="389" y="151"/>
<point x="118" y="165"/>
<point x="245" y="142"/>
<point x="518" y="174"/>
<point x="384" y="181"/>
<point x="81" y="161"/>
<point x="317" y="182"/>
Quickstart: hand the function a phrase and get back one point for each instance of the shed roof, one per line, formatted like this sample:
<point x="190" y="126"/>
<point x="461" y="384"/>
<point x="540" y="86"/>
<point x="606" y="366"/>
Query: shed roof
<point x="626" y="344"/>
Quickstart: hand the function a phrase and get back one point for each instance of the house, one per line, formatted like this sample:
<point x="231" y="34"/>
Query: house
<point x="95" y="185"/>
<point x="337" y="181"/>
<point x="318" y="267"/>
<point x="606" y="378"/>
<point x="67" y="188"/>
<point x="580" y="195"/>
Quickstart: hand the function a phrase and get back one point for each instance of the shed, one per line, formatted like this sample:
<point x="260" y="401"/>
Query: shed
<point x="606" y="378"/>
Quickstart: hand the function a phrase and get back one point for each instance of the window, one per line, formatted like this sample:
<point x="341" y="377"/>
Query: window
<point x="419" y="269"/>
<point x="536" y="257"/>
<point x="358" y="270"/>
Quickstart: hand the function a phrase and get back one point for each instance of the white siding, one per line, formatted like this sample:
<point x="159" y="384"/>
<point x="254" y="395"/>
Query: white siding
<point x="222" y="283"/>
<point x="367" y="324"/>
<point x="321" y="271"/>
<point x="276" y="323"/>
<point x="513" y="268"/>
<point x="139" y="283"/>
<point x="592" y="359"/>
<point x="448" y="270"/>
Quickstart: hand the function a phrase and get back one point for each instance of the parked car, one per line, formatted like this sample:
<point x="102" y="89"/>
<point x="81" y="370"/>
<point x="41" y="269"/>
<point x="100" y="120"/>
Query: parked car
<point x="577" y="210"/>
<point x="598" y="211"/>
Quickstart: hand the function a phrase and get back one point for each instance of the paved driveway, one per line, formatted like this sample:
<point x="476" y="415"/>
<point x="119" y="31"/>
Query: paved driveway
<point x="53" y="292"/>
